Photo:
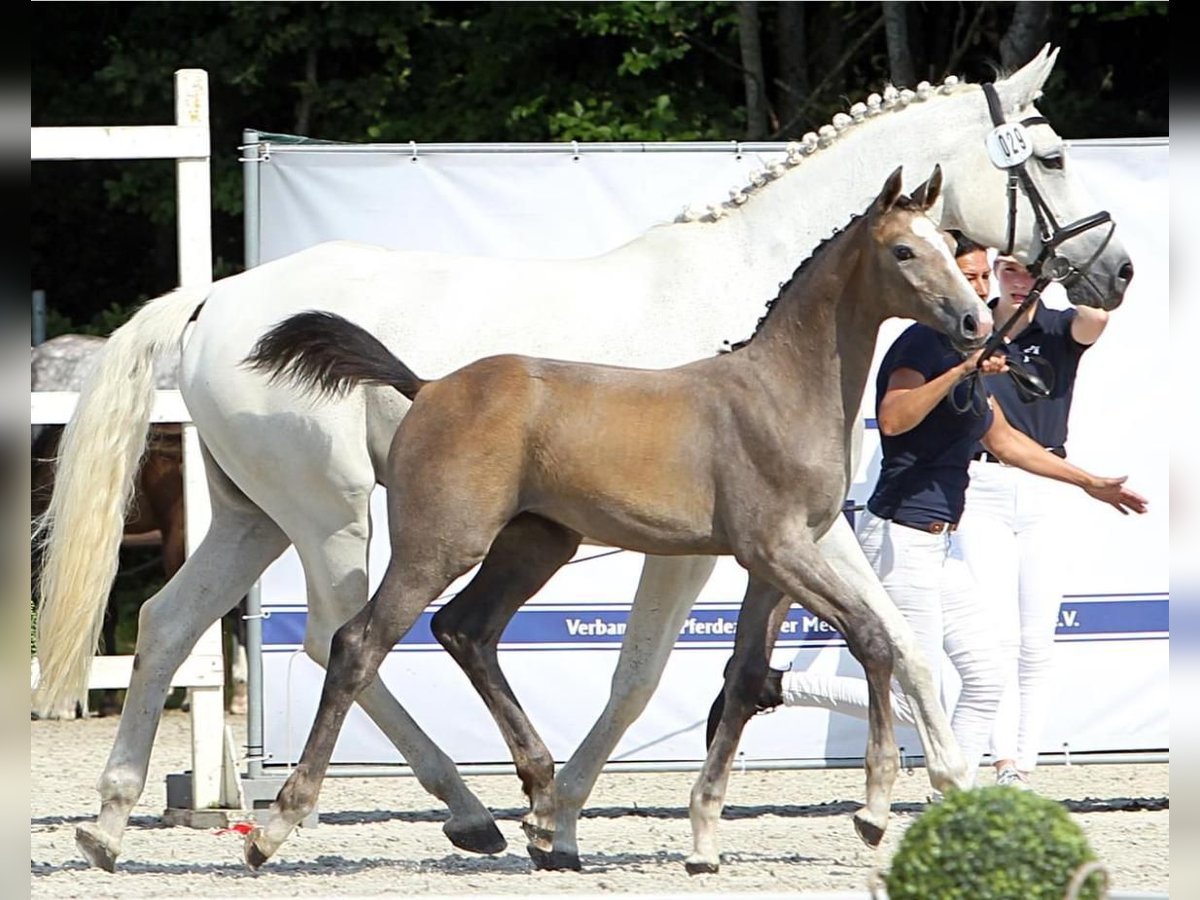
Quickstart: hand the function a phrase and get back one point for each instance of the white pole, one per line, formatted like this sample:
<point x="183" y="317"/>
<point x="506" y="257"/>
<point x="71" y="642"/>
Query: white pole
<point x="188" y="142"/>
<point x="207" y="703"/>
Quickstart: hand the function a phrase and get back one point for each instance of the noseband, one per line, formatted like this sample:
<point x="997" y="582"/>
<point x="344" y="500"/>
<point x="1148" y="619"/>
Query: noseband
<point x="1009" y="147"/>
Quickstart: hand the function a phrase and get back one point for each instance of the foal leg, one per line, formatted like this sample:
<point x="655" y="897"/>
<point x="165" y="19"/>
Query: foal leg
<point x="667" y="590"/>
<point x="521" y="560"/>
<point x="944" y="762"/>
<point x="785" y="558"/>
<point x="335" y="569"/>
<point x="358" y="648"/>
<point x="759" y="619"/>
<point x="241" y="542"/>
<point x="802" y="571"/>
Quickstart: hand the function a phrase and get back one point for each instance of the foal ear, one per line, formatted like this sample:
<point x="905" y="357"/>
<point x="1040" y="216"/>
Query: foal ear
<point x="890" y="194"/>
<point x="927" y="193"/>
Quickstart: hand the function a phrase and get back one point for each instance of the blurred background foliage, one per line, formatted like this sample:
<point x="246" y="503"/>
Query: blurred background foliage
<point x="103" y="233"/>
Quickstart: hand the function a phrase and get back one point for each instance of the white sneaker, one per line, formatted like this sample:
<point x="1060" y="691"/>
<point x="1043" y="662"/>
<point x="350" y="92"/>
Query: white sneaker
<point x="1009" y="776"/>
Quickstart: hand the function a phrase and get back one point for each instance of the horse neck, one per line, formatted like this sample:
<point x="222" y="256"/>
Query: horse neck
<point x="819" y="339"/>
<point x="722" y="272"/>
<point x="789" y="215"/>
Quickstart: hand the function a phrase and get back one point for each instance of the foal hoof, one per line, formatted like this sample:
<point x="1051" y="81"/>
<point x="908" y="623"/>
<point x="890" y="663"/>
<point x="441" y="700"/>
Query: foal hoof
<point x="870" y="831"/>
<point x="701" y="867"/>
<point x="539" y="837"/>
<point x="479" y="837"/>
<point x="252" y="853"/>
<point x="554" y="860"/>
<point x="97" y="847"/>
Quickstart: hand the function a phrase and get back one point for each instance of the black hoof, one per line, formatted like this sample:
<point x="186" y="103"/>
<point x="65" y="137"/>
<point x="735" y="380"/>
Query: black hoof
<point x="538" y="836"/>
<point x="96" y="847"/>
<point x="554" y="860"/>
<point x="701" y="868"/>
<point x="485" y="839"/>
<point x="870" y="833"/>
<point x="254" y="857"/>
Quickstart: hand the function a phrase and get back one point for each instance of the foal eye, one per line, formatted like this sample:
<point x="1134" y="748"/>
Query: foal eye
<point x="1054" y="161"/>
<point x="902" y="252"/>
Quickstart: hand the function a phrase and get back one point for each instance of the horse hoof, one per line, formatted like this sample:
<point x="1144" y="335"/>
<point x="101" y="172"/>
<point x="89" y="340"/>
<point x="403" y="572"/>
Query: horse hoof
<point x="554" y="860"/>
<point x="97" y="847"/>
<point x="252" y="853"/>
<point x="476" y="838"/>
<point x="542" y="838"/>
<point x="871" y="832"/>
<point x="701" y="867"/>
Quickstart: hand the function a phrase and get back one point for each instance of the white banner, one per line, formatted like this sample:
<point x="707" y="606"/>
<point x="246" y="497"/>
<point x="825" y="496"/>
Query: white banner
<point x="560" y="650"/>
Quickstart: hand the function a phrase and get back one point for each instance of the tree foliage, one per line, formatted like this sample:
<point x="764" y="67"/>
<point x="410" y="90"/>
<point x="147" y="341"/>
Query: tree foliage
<point x="103" y="232"/>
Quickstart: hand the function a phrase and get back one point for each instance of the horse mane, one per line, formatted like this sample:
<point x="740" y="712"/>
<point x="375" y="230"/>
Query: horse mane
<point x="892" y="99"/>
<point x="902" y="202"/>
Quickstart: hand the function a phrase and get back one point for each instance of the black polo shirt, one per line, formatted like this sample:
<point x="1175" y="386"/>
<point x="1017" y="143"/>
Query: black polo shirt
<point x="923" y="475"/>
<point x="1049" y="337"/>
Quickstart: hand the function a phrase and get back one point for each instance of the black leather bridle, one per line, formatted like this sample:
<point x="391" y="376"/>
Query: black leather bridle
<point x="1050" y="265"/>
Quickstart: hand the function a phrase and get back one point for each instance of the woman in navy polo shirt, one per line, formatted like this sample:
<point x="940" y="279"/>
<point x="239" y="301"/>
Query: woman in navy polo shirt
<point x="931" y="421"/>
<point x="1011" y="533"/>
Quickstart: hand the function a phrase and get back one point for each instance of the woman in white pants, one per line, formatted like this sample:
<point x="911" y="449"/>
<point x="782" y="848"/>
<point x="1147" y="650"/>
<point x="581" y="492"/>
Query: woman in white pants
<point x="931" y="420"/>
<point x="1010" y="532"/>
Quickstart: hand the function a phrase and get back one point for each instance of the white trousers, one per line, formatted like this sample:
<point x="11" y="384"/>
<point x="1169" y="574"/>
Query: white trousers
<point x="930" y="584"/>
<point x="1010" y="539"/>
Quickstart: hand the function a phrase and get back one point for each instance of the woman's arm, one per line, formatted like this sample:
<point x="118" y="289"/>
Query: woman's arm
<point x="1018" y="449"/>
<point x="909" y="398"/>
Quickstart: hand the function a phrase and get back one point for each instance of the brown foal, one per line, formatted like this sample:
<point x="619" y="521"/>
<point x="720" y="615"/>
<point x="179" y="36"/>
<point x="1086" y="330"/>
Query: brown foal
<point x="511" y="461"/>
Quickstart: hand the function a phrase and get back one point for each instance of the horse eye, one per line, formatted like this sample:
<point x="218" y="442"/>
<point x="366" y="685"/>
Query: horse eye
<point x="1051" y="162"/>
<point x="902" y="252"/>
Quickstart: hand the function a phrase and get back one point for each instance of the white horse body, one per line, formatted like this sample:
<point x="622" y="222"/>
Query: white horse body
<point x="289" y="469"/>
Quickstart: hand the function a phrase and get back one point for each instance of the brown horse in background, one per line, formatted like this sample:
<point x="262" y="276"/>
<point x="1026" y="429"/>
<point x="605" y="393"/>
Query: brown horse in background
<point x="156" y="514"/>
<point x="510" y="462"/>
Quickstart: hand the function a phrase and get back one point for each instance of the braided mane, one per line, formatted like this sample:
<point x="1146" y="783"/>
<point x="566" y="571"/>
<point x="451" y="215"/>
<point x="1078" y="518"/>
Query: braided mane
<point x="902" y="202"/>
<point x="892" y="99"/>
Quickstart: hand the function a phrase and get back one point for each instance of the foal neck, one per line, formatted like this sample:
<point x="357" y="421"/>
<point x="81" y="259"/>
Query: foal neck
<point x="817" y="340"/>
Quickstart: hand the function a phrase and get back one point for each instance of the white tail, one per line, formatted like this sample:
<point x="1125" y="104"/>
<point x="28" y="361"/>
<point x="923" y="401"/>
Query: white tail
<point x="98" y="459"/>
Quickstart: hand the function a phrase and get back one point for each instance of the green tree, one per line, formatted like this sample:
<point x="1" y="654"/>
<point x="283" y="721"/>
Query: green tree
<point x="103" y="234"/>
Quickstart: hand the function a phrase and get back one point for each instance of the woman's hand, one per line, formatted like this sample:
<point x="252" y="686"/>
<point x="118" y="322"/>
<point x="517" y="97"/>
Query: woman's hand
<point x="1113" y="492"/>
<point x="993" y="365"/>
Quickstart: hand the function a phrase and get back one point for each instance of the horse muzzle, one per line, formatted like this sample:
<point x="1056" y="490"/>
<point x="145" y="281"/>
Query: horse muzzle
<point x="1105" y="290"/>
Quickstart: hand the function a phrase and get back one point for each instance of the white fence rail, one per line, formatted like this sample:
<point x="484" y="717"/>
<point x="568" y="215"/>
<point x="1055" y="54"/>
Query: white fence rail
<point x="188" y="143"/>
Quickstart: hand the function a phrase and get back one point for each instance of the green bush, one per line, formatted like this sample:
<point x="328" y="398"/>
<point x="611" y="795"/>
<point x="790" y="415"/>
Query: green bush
<point x="992" y="843"/>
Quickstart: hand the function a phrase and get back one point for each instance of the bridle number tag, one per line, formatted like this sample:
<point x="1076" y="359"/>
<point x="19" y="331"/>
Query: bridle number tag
<point x="1009" y="145"/>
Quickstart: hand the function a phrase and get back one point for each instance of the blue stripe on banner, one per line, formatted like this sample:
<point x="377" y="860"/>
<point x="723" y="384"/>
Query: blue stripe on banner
<point x="1146" y="617"/>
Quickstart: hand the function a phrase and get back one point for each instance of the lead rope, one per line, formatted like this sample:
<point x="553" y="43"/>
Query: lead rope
<point x="976" y="397"/>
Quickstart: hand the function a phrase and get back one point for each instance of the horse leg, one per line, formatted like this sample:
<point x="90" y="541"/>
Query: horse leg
<point x="334" y="557"/>
<point x="241" y="542"/>
<point x="521" y="560"/>
<point x="109" y="705"/>
<point x="944" y="762"/>
<point x="787" y="560"/>
<point x="666" y="592"/>
<point x="718" y="707"/>
<point x="798" y="567"/>
<point x="356" y="651"/>
<point x="239" y="665"/>
<point x="761" y="614"/>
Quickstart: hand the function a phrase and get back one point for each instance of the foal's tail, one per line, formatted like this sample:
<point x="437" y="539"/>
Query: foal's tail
<point x="326" y="354"/>
<point x="97" y="463"/>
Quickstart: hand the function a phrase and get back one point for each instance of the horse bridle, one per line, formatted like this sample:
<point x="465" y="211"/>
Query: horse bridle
<point x="1010" y="149"/>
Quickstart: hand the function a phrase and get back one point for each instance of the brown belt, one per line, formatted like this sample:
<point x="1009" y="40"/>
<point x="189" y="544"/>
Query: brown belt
<point x="931" y="527"/>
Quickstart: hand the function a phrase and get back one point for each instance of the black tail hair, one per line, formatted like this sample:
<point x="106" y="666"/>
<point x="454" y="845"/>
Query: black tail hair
<point x="329" y="355"/>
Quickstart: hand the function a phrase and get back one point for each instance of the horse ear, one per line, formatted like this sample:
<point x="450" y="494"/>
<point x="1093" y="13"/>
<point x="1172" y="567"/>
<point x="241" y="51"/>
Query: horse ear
<point x="929" y="190"/>
<point x="891" y="192"/>
<point x="1024" y="86"/>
